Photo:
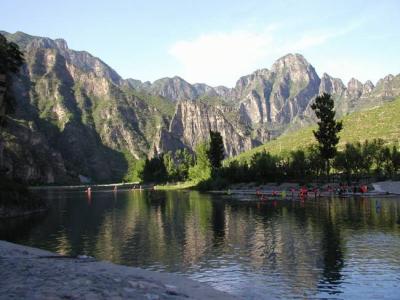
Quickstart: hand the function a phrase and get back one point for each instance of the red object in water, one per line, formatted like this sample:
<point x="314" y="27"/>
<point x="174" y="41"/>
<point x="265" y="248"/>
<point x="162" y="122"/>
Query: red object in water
<point x="364" y="188"/>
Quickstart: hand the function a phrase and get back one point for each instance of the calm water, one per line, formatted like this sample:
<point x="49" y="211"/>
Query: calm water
<point x="338" y="248"/>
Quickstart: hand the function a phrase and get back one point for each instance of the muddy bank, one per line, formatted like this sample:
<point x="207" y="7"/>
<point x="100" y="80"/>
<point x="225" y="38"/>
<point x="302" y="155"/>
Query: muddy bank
<point x="30" y="273"/>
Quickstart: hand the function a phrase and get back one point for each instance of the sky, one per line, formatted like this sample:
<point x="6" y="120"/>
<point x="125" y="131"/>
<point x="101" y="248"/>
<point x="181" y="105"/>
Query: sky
<point x="216" y="42"/>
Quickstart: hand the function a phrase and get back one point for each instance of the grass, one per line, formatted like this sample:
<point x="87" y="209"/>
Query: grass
<point x="177" y="186"/>
<point x="379" y="122"/>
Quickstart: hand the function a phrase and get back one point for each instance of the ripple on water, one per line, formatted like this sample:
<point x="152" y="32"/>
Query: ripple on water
<point x="335" y="249"/>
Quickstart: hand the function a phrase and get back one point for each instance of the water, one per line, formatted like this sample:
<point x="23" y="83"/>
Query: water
<point x="336" y="248"/>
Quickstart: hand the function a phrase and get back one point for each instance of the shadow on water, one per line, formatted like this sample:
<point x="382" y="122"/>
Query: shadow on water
<point x="279" y="248"/>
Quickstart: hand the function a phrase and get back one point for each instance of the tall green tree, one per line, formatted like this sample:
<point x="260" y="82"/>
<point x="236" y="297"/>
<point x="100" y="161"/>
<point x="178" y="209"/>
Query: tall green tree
<point x="11" y="59"/>
<point x="328" y="128"/>
<point x="349" y="160"/>
<point x="170" y="166"/>
<point x="154" y="170"/>
<point x="202" y="169"/>
<point x="216" y="152"/>
<point x="263" y="167"/>
<point x="395" y="160"/>
<point x="184" y="161"/>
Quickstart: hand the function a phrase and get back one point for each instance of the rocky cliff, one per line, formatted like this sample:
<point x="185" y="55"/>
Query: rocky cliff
<point x="76" y="116"/>
<point x="77" y="108"/>
<point x="193" y="121"/>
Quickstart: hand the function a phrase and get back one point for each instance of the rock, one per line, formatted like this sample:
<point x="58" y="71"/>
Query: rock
<point x="75" y="116"/>
<point x="192" y="123"/>
<point x="152" y="296"/>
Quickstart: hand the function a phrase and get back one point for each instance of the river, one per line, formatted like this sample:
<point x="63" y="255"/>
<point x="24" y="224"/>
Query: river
<point x="317" y="248"/>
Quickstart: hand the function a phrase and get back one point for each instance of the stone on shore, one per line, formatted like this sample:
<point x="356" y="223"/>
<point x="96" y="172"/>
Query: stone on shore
<point x="29" y="273"/>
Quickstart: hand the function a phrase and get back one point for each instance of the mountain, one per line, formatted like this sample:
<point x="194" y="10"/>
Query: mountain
<point x="193" y="121"/>
<point x="76" y="116"/>
<point x="376" y="122"/>
<point x="82" y="112"/>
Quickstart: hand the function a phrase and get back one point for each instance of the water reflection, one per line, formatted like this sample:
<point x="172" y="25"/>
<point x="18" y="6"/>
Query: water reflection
<point x="314" y="248"/>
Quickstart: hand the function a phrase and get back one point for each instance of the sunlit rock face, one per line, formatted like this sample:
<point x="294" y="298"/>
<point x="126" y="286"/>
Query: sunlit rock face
<point x="193" y="121"/>
<point x="88" y="120"/>
<point x="278" y="95"/>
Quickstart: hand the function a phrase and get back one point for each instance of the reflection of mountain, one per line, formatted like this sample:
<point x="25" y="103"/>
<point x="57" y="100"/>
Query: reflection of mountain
<point x="296" y="248"/>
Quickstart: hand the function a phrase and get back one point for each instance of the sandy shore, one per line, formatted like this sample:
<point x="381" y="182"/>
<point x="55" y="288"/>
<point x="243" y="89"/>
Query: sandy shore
<point x="30" y="273"/>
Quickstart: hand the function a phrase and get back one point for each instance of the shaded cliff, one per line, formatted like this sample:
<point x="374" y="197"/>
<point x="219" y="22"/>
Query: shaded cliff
<point x="74" y="107"/>
<point x="76" y="116"/>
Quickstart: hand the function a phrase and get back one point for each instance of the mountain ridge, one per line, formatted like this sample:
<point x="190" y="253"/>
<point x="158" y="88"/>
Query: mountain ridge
<point x="92" y="120"/>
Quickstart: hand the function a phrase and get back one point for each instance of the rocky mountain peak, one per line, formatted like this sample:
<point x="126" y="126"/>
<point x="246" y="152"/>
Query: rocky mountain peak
<point x="330" y="85"/>
<point x="61" y="43"/>
<point x="97" y="115"/>
<point x="368" y="87"/>
<point x="389" y="77"/>
<point x="251" y="80"/>
<point x="174" y="88"/>
<point x="294" y="69"/>
<point x="354" y="88"/>
<point x="290" y="61"/>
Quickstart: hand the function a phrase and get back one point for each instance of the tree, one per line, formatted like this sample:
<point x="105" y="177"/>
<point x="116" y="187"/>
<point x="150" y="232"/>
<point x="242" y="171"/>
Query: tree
<point x="184" y="160"/>
<point x="154" y="170"/>
<point x="395" y="160"/>
<point x="216" y="150"/>
<point x="202" y="169"/>
<point x="298" y="164"/>
<point x="170" y="166"/>
<point x="349" y="160"/>
<point x="314" y="157"/>
<point x="369" y="152"/>
<point x="263" y="167"/>
<point x="328" y="128"/>
<point x="11" y="59"/>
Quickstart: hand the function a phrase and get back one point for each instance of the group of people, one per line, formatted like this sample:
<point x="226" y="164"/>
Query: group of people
<point x="304" y="192"/>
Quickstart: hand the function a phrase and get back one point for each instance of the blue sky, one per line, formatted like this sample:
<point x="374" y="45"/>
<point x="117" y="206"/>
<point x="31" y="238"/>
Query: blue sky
<point x="216" y="42"/>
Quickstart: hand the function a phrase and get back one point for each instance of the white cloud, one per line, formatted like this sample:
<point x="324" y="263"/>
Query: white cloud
<point x="222" y="57"/>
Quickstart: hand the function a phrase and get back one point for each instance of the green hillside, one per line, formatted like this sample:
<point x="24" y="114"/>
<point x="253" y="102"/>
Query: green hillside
<point x="379" y="122"/>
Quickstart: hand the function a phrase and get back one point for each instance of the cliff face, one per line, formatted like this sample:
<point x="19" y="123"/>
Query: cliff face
<point x="276" y="97"/>
<point x="79" y="107"/>
<point x="76" y="116"/>
<point x="192" y="123"/>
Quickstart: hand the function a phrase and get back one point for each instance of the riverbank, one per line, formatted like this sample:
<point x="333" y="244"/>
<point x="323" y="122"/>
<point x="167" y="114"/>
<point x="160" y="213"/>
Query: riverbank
<point x="176" y="186"/>
<point x="123" y="185"/>
<point x="290" y="190"/>
<point x="30" y="273"/>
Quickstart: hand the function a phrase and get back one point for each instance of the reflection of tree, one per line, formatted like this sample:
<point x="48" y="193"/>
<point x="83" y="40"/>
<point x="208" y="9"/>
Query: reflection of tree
<point x="181" y="231"/>
<point x="197" y="228"/>
<point x="332" y="251"/>
<point x="218" y="222"/>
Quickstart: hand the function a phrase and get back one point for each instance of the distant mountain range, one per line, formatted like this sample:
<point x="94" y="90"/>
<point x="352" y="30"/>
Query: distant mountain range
<point x="76" y="116"/>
